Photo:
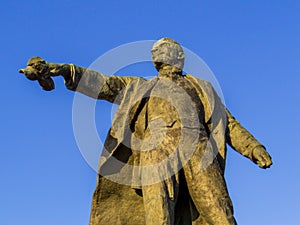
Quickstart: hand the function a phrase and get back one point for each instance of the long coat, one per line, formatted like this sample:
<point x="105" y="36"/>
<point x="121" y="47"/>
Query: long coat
<point x="117" y="198"/>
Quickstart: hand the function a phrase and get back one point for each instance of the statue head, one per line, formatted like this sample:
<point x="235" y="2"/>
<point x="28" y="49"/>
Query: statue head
<point x="167" y="51"/>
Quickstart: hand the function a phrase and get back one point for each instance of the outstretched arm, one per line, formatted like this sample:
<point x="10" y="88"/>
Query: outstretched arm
<point x="243" y="142"/>
<point x="86" y="81"/>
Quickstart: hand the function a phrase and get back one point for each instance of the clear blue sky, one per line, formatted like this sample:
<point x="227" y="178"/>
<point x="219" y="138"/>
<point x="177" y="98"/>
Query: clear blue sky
<point x="252" y="47"/>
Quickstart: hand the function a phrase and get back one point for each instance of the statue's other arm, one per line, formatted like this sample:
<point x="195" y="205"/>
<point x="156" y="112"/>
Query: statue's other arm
<point x="243" y="142"/>
<point x="236" y="135"/>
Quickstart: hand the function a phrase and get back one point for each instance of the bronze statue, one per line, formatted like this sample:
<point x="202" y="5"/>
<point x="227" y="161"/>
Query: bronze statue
<point x="164" y="157"/>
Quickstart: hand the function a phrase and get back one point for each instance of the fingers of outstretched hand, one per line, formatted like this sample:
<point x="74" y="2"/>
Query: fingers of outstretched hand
<point x="47" y="84"/>
<point x="29" y="73"/>
<point x="38" y="69"/>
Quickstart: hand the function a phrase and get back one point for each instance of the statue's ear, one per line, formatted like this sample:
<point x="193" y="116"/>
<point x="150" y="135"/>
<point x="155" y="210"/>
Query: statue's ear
<point x="181" y="55"/>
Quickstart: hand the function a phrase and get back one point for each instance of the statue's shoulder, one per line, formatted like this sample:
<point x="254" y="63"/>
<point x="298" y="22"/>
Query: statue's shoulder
<point x="130" y="79"/>
<point x="204" y="84"/>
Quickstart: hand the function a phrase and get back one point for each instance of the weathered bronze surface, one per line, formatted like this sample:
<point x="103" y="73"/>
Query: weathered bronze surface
<point x="164" y="157"/>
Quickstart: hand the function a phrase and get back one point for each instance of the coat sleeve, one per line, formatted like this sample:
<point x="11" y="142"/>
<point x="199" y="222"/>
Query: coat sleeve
<point x="236" y="136"/>
<point x="239" y="138"/>
<point x="96" y="85"/>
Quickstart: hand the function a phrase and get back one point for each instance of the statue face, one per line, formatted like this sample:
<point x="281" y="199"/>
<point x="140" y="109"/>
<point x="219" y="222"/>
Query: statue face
<point x="167" y="52"/>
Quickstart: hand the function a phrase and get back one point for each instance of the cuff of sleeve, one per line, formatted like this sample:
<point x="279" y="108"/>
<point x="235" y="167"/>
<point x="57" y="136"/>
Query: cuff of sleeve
<point x="71" y="81"/>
